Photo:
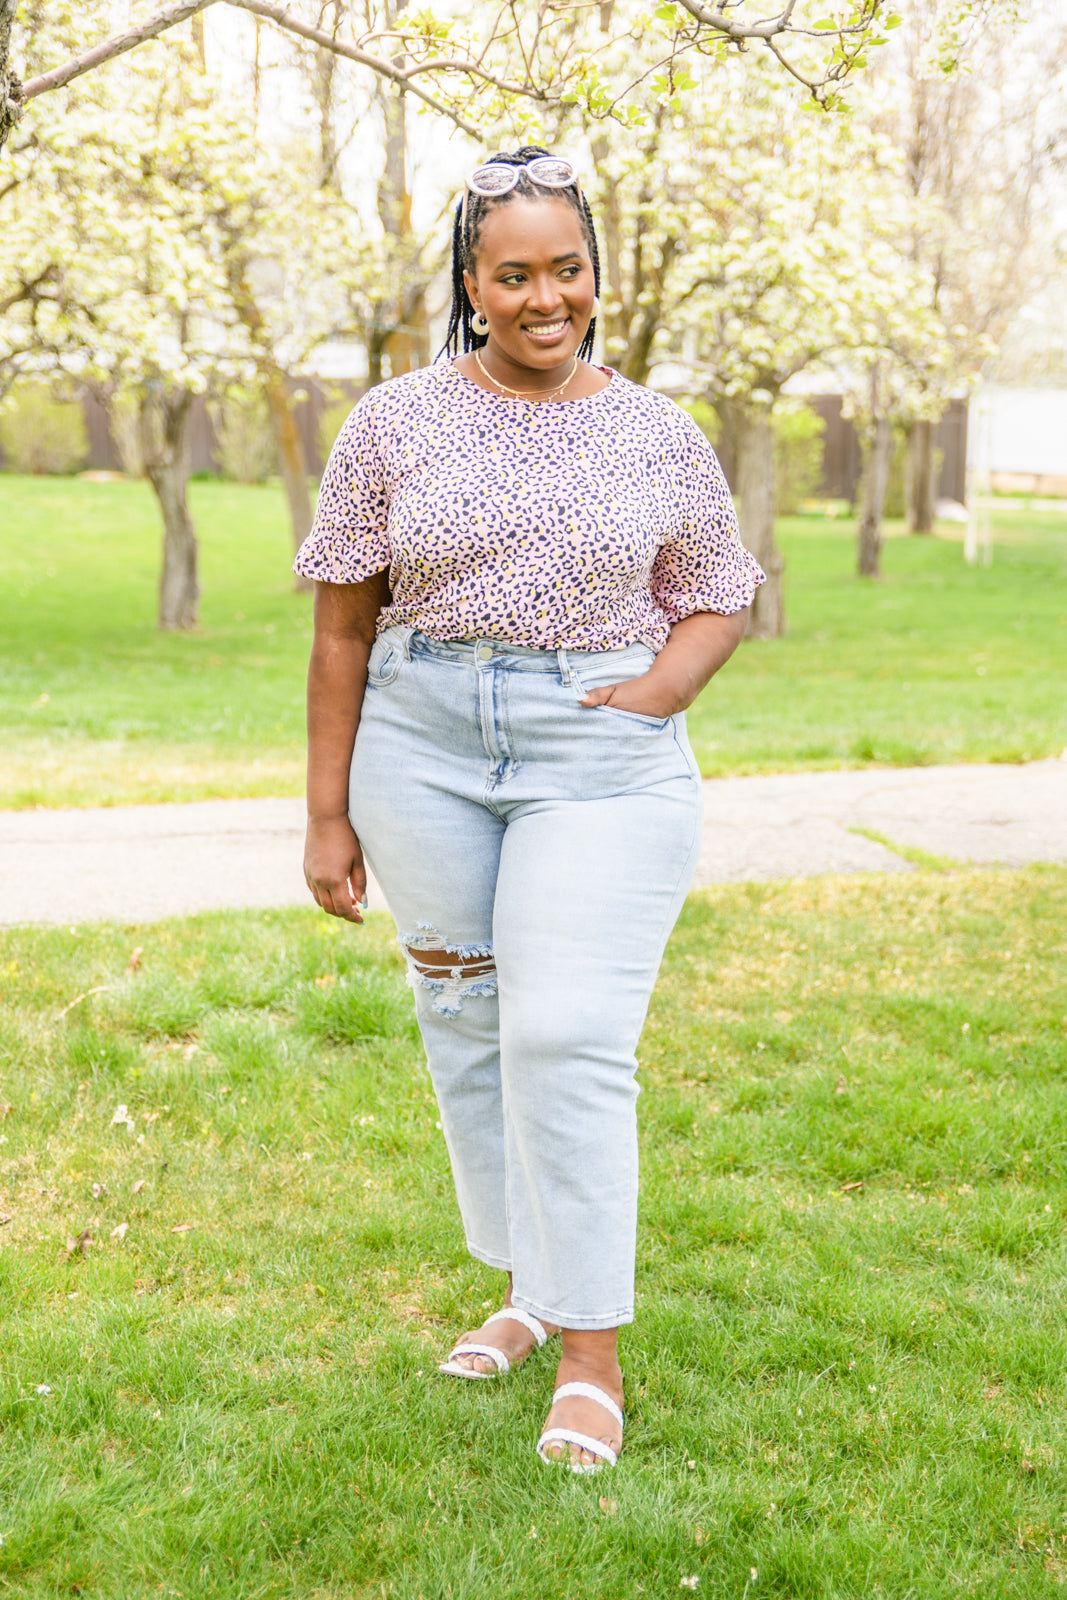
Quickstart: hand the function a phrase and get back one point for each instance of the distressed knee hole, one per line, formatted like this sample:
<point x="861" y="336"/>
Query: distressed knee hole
<point x="452" y="973"/>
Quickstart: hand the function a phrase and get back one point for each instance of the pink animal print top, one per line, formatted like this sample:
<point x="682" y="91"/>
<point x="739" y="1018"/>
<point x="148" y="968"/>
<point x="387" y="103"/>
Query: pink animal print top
<point x="580" y="524"/>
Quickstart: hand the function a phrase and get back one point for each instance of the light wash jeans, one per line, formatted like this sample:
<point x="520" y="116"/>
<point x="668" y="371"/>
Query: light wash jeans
<point x="503" y="820"/>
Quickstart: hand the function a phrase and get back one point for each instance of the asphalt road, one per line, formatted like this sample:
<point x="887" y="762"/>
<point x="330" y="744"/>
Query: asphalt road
<point x="138" y="863"/>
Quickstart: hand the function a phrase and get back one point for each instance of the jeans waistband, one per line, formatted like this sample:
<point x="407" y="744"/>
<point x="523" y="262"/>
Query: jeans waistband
<point x="499" y="653"/>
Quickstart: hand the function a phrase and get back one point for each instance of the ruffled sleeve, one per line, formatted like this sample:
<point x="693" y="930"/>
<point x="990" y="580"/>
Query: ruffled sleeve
<point x="702" y="565"/>
<point x="349" y="537"/>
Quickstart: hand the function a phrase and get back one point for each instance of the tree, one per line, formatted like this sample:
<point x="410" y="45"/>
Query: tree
<point x="765" y="241"/>
<point x="476" y="67"/>
<point x="892" y="383"/>
<point x="981" y="147"/>
<point x="137" y="220"/>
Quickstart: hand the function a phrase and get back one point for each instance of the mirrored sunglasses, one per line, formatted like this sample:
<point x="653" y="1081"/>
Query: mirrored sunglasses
<point x="498" y="177"/>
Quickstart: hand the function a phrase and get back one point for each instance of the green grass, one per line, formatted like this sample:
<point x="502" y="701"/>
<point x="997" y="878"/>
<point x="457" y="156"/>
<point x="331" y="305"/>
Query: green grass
<point x="97" y="707"/>
<point x="938" y="663"/>
<point x="847" y="1374"/>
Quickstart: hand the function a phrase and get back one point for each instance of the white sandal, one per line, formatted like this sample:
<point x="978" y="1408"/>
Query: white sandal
<point x="452" y="1368"/>
<point x="597" y="1447"/>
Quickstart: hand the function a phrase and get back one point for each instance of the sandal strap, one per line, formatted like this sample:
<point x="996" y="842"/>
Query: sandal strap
<point x="596" y="1447"/>
<point x="497" y="1357"/>
<point x="530" y="1323"/>
<point x="589" y="1391"/>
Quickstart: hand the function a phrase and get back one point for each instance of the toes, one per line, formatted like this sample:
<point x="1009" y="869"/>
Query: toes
<point x="475" y="1363"/>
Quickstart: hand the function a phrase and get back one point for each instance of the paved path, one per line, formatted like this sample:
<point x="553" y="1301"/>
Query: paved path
<point x="135" y="863"/>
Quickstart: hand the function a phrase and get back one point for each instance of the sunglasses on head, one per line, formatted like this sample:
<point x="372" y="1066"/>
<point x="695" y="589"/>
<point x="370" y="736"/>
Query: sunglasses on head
<point x="495" y="178"/>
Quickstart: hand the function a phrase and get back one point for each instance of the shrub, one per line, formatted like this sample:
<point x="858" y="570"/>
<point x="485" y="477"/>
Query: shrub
<point x="706" y="418"/>
<point x="42" y="433"/>
<point x="798" y="455"/>
<point x="334" y="415"/>
<point x="896" y="499"/>
<point x="244" y="442"/>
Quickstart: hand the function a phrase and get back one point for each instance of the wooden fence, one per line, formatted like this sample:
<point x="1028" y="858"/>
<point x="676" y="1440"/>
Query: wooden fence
<point x="841" y="450"/>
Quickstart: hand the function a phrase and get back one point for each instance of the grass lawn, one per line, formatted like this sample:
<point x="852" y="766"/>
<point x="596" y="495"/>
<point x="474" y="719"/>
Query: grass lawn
<point x="937" y="663"/>
<point x="223" y="1305"/>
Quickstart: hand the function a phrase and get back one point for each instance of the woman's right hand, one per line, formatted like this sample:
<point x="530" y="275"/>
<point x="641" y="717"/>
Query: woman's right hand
<point x="333" y="867"/>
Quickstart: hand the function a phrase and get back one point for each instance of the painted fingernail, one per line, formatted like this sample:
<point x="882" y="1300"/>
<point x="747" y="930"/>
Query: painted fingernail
<point x="363" y="902"/>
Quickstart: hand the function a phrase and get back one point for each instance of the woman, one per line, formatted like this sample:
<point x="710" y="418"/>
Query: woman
<point x="527" y="568"/>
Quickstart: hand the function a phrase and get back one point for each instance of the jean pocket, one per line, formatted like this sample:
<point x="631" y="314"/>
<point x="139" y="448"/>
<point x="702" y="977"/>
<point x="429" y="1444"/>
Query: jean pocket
<point x="657" y="724"/>
<point x="386" y="659"/>
<point x="601" y="675"/>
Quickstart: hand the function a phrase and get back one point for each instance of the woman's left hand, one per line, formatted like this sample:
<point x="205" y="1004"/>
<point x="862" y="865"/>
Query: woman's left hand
<point x="642" y="695"/>
<point x="698" y="646"/>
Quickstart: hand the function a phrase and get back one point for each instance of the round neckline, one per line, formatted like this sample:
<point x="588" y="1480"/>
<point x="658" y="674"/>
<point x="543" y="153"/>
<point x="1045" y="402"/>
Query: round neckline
<point x="580" y="400"/>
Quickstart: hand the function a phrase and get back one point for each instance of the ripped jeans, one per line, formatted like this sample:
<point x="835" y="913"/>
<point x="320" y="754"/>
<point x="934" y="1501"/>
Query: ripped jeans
<point x="549" y="847"/>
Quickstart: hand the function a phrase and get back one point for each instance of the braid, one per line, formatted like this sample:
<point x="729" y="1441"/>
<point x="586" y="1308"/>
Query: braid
<point x="465" y="232"/>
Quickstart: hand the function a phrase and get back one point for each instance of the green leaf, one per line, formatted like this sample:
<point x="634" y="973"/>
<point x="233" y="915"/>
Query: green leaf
<point x="825" y="25"/>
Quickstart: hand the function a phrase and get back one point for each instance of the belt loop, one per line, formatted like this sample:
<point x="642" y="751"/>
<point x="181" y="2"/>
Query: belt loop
<point x="406" y="636"/>
<point x="564" y="667"/>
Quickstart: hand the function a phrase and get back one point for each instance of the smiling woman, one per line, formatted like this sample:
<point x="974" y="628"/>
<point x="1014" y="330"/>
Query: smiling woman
<point x="526" y="279"/>
<point x="527" y="568"/>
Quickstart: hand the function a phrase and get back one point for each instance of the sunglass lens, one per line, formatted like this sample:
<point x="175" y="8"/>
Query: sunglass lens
<point x="551" y="171"/>
<point x="493" y="179"/>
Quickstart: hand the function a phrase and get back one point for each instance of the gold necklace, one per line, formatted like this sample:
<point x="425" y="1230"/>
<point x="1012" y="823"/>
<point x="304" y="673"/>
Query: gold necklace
<point x="524" y="394"/>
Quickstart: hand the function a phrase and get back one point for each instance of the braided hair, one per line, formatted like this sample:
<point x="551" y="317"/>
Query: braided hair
<point x="465" y="232"/>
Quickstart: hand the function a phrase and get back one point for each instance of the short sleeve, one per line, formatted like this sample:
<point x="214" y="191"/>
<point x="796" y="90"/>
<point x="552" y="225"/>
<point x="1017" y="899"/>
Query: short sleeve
<point x="703" y="566"/>
<point x="349" y="537"/>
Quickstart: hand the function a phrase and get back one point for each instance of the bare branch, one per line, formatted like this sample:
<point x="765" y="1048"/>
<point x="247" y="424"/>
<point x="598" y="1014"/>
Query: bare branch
<point x="814" y="84"/>
<point x="281" y="15"/>
<point x="770" y="27"/>
<point x="110" y="48"/>
<point x="471" y="68"/>
<point x="722" y="23"/>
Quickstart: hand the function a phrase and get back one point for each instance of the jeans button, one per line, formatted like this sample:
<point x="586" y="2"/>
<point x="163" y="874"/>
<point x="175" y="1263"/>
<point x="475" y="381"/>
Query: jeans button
<point x="485" y="652"/>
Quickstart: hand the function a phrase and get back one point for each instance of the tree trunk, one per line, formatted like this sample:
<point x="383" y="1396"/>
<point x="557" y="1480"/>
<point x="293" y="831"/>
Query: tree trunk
<point x="10" y="108"/>
<point x="164" y="421"/>
<point x="288" y="443"/>
<point x="754" y="447"/>
<point x="613" y="322"/>
<point x="921" y="490"/>
<point x="291" y="459"/>
<point x="635" y="296"/>
<point x="645" y="323"/>
<point x="408" y="342"/>
<point x="323" y="66"/>
<point x="875" y="483"/>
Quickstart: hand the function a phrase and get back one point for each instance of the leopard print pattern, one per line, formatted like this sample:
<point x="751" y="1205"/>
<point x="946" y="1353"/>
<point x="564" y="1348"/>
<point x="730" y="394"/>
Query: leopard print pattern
<point x="585" y="524"/>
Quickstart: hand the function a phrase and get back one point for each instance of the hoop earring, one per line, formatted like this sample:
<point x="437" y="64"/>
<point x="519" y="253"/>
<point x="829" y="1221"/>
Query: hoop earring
<point x="479" y="325"/>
